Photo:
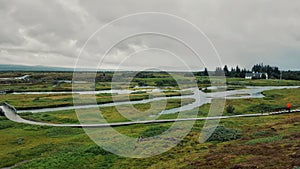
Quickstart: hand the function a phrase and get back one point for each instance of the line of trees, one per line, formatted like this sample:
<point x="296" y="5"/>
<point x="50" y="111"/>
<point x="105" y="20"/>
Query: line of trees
<point x="291" y="75"/>
<point x="233" y="72"/>
<point x="272" y="71"/>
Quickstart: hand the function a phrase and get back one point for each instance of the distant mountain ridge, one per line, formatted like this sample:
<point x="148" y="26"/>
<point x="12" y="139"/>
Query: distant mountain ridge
<point x="7" y="67"/>
<point x="24" y="68"/>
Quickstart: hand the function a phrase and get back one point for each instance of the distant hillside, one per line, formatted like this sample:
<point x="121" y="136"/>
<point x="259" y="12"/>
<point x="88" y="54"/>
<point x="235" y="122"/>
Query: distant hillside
<point x="5" y="68"/>
<point x="22" y="68"/>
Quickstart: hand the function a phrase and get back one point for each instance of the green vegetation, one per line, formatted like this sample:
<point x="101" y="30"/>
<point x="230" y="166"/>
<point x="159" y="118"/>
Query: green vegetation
<point x="24" y="101"/>
<point x="111" y="114"/>
<point x="261" y="82"/>
<point x="274" y="99"/>
<point x="253" y="142"/>
<point x="154" y="131"/>
<point x="58" y="81"/>
<point x="265" y="140"/>
<point x="222" y="134"/>
<point x="55" y="147"/>
<point x="230" y="109"/>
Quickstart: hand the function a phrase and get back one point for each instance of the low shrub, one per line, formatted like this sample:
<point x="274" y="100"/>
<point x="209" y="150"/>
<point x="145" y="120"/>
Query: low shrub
<point x="223" y="134"/>
<point x="230" y="109"/>
<point x="95" y="150"/>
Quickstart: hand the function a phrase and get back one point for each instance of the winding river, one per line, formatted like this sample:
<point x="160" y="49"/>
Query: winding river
<point x="200" y="97"/>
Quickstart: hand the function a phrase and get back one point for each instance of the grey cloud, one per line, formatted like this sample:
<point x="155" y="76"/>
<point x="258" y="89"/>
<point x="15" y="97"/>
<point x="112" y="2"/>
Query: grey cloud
<point x="245" y="33"/>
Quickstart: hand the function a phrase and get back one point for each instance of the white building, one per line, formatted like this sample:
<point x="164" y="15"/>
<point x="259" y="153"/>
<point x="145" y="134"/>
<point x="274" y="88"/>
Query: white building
<point x="256" y="75"/>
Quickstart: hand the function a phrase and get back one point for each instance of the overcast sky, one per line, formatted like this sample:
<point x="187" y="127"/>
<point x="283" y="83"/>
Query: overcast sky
<point x="52" y="33"/>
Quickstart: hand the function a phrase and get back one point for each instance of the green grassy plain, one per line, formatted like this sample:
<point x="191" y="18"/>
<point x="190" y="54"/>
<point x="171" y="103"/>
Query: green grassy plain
<point x="266" y="142"/>
<point x="270" y="142"/>
<point x="48" y="81"/>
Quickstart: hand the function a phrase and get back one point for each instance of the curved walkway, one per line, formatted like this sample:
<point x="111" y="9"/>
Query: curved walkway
<point x="11" y="113"/>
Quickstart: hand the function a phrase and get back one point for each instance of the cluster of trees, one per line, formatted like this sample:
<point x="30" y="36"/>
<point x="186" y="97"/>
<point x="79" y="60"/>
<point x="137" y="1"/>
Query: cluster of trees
<point x="234" y="72"/>
<point x="272" y="71"/>
<point x="291" y="75"/>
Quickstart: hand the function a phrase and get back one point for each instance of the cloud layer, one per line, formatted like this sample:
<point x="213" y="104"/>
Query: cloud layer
<point x="52" y="33"/>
